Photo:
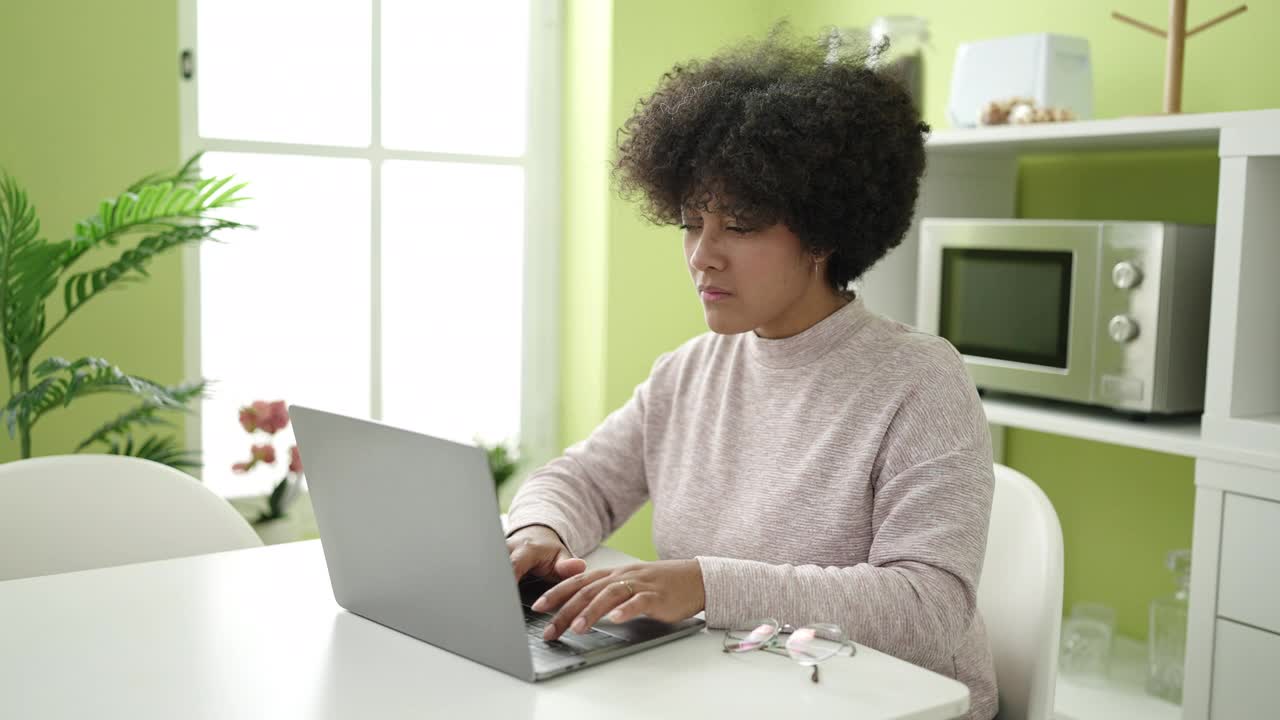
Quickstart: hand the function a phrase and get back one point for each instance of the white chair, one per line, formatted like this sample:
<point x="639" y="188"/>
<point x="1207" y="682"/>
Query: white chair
<point x="77" y="512"/>
<point x="1020" y="595"/>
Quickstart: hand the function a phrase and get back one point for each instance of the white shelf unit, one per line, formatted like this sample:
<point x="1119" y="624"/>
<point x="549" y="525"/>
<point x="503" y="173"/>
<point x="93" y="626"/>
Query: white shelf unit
<point x="1236" y="442"/>
<point x="1175" y="436"/>
<point x="1127" y="133"/>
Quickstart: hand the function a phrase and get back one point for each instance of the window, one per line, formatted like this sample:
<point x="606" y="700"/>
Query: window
<point x="402" y="161"/>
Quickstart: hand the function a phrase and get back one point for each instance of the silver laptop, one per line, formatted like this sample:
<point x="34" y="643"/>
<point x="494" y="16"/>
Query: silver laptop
<point x="411" y="534"/>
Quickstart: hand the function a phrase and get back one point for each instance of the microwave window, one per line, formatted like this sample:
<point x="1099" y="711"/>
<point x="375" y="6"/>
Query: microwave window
<point x="1006" y="304"/>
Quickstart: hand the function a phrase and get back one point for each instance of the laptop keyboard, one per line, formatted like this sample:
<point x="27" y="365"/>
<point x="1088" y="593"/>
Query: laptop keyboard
<point x="569" y="644"/>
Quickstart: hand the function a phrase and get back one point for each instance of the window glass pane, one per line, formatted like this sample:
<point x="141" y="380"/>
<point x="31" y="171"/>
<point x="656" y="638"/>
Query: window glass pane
<point x="284" y="309"/>
<point x="452" y="260"/>
<point x="454" y="76"/>
<point x="285" y="71"/>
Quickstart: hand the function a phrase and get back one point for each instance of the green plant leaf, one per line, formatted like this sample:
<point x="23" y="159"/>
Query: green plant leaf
<point x="19" y="409"/>
<point x="144" y="415"/>
<point x="61" y="381"/>
<point x="155" y="201"/>
<point x="83" y="287"/>
<point x="275" y="502"/>
<point x="180" y="202"/>
<point x="503" y="461"/>
<point x="189" y="172"/>
<point x="148" y="195"/>
<point x="28" y="275"/>
<point x="164" y="450"/>
<point x="122" y="213"/>
<point x="210" y="186"/>
<point x="229" y="196"/>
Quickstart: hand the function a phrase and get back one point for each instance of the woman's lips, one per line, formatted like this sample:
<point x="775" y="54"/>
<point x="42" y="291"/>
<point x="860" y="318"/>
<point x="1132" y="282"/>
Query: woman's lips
<point x="713" y="295"/>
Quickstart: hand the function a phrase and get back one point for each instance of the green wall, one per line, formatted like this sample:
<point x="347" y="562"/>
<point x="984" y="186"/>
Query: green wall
<point x="90" y="105"/>
<point x="588" y="40"/>
<point x="1121" y="508"/>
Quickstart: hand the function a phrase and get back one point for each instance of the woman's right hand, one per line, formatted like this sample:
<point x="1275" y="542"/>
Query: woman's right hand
<point x="538" y="549"/>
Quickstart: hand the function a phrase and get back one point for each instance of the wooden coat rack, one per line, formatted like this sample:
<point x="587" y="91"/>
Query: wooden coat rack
<point x="1176" y="37"/>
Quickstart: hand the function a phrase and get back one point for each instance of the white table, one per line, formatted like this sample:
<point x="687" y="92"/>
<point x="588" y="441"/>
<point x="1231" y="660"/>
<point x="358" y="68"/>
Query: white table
<point x="256" y="634"/>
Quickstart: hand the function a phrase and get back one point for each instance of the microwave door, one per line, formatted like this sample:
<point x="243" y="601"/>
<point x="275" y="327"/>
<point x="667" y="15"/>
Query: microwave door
<point x="1019" y="306"/>
<point x="1010" y="305"/>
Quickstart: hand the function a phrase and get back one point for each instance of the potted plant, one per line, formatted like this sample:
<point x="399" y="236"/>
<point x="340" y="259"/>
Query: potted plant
<point x="269" y="418"/>
<point x="168" y="212"/>
<point x="262" y="420"/>
<point x="503" y="461"/>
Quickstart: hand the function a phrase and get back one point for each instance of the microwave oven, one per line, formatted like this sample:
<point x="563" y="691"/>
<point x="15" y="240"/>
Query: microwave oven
<point x="1103" y="313"/>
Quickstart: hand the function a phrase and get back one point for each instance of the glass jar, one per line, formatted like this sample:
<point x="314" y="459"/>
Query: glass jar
<point x="1167" y="634"/>
<point x="1087" y="636"/>
<point x="902" y="58"/>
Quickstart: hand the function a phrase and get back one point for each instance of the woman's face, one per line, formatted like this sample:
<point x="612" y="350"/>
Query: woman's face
<point x="754" y="278"/>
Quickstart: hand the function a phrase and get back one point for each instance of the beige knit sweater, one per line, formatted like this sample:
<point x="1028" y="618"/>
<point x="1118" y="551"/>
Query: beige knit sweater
<point x="839" y="475"/>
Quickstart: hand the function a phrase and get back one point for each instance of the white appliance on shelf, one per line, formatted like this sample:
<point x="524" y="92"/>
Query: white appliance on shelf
<point x="1054" y="70"/>
<point x="1103" y="313"/>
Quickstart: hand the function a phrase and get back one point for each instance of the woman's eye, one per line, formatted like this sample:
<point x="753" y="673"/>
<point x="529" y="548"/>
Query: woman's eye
<point x="736" y="229"/>
<point x="690" y="227"/>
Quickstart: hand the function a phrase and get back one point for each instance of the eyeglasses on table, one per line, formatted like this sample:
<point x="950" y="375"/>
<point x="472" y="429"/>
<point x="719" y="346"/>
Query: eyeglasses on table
<point x="808" y="645"/>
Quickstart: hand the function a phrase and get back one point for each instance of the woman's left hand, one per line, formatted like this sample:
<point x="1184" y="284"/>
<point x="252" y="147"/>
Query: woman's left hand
<point x="666" y="590"/>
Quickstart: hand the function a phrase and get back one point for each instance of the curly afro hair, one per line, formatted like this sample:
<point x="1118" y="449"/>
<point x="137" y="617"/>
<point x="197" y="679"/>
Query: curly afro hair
<point x="782" y="130"/>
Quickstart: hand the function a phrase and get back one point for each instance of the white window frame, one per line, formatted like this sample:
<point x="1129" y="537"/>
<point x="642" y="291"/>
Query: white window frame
<point x="540" y="382"/>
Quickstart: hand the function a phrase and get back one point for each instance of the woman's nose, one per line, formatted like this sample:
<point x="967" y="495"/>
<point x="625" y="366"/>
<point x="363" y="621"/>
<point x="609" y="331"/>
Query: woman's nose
<point x="705" y="254"/>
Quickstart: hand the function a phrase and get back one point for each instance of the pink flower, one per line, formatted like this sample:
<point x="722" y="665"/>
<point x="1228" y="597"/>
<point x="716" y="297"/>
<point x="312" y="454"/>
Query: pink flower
<point x="295" y="460"/>
<point x="272" y="417"/>
<point x="248" y="419"/>
<point x="265" y="453"/>
<point x="269" y="417"/>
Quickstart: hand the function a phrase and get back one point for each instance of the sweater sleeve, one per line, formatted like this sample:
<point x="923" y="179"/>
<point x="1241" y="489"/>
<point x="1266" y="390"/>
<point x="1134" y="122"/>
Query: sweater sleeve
<point x="916" y="595"/>
<point x="597" y="484"/>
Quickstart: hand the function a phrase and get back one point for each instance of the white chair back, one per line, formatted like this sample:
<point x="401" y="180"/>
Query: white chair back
<point x="76" y="512"/>
<point x="1020" y="595"/>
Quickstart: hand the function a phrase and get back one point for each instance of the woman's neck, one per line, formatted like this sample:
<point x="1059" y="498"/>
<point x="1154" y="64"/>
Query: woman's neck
<point x="812" y="307"/>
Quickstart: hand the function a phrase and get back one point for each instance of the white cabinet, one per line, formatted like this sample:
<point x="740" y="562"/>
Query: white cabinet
<point x="1236" y="443"/>
<point x="1246" y="673"/>
<point x="1233" y="638"/>
<point x="1249" y="564"/>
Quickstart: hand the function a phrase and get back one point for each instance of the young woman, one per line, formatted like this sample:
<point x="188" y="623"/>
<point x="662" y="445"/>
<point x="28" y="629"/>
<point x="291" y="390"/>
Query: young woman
<point x="807" y="459"/>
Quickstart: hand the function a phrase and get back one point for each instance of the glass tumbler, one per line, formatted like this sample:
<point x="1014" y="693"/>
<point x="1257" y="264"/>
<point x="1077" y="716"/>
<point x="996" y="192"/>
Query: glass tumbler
<point x="1086" y="642"/>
